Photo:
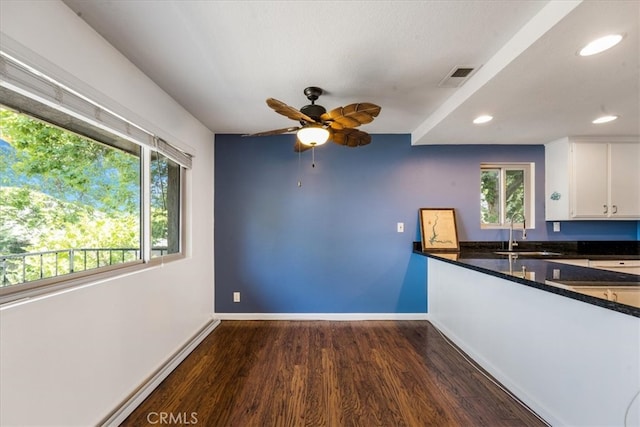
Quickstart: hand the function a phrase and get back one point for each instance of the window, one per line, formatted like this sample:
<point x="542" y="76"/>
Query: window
<point x="165" y="205"/>
<point x="82" y="190"/>
<point x="506" y="195"/>
<point x="67" y="203"/>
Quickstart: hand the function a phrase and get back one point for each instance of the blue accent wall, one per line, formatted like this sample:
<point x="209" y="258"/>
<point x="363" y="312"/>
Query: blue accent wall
<point x="330" y="245"/>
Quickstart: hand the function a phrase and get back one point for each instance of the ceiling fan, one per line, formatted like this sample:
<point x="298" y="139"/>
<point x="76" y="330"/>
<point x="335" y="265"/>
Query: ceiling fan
<point x="317" y="126"/>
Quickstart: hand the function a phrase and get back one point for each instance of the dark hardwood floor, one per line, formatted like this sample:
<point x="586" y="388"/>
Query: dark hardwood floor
<point x="317" y="373"/>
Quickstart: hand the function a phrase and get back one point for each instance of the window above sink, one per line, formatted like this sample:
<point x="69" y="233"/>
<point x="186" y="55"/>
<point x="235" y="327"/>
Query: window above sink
<point x="507" y="195"/>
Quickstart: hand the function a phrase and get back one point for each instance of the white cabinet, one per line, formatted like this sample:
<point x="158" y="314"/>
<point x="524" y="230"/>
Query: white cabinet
<point x="590" y="194"/>
<point x="579" y="262"/>
<point x="621" y="266"/>
<point x="631" y="266"/>
<point x="624" y="178"/>
<point x="592" y="179"/>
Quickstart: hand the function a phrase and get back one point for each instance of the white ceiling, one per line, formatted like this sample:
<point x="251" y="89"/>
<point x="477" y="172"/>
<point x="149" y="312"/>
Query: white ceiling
<point x="221" y="60"/>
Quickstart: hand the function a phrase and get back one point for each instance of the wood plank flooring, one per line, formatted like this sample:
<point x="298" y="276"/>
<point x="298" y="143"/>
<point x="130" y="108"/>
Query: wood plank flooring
<point x="318" y="373"/>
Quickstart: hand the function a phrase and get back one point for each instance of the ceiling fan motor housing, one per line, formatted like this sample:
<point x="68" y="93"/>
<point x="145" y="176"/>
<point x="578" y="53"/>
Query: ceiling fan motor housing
<point x="314" y="111"/>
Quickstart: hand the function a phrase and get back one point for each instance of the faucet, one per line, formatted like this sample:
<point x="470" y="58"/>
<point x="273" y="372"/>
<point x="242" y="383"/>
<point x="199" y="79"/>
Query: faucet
<point x="512" y="242"/>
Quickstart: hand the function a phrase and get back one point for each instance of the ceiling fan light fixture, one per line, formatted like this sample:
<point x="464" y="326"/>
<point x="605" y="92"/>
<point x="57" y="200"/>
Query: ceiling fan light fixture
<point x="601" y="44"/>
<point x="313" y="135"/>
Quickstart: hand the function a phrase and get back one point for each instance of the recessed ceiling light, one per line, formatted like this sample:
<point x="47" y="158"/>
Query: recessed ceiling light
<point x="601" y="44"/>
<point x="482" y="119"/>
<point x="604" y="119"/>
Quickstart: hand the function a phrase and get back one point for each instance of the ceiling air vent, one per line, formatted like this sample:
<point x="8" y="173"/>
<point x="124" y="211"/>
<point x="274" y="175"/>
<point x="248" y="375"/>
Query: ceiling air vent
<point x="457" y="76"/>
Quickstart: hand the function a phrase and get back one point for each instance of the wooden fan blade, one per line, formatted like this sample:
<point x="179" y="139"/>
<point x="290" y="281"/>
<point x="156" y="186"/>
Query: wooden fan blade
<point x="275" y="131"/>
<point x="353" y="115"/>
<point x="351" y="137"/>
<point x="287" y="111"/>
<point x="299" y="147"/>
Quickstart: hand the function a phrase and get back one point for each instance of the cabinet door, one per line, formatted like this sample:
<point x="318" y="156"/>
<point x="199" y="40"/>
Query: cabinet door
<point x="578" y="262"/>
<point x="628" y="296"/>
<point x="622" y="266"/>
<point x="625" y="180"/>
<point x="594" y="291"/>
<point x="590" y="180"/>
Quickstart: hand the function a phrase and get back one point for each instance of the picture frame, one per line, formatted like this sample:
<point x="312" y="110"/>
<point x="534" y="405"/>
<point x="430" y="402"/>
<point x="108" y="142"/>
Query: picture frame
<point x="438" y="229"/>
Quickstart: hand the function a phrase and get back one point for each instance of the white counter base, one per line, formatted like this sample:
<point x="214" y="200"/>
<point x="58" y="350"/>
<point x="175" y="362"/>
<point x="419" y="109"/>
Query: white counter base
<point x="573" y="363"/>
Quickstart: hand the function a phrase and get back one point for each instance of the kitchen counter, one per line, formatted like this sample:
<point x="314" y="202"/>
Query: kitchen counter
<point x="541" y="272"/>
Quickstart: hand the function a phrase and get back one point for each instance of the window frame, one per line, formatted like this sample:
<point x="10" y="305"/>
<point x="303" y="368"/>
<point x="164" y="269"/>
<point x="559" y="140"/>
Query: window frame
<point x="182" y="240"/>
<point x="180" y="210"/>
<point x="528" y="169"/>
<point x="27" y="91"/>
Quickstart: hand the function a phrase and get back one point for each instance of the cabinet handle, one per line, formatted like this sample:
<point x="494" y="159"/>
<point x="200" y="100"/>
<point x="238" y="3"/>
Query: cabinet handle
<point x="615" y="209"/>
<point x="606" y="208"/>
<point x="614" y="296"/>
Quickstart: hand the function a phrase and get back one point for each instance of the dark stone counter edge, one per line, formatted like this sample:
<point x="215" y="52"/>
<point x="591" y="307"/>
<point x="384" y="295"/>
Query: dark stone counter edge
<point x="610" y="305"/>
<point x="596" y="249"/>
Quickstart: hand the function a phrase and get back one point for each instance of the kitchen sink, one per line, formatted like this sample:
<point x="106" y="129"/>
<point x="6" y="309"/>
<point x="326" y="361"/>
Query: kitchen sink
<point x="529" y="253"/>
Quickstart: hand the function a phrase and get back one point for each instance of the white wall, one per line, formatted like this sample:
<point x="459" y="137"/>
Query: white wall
<point x="72" y="357"/>
<point x="574" y="363"/>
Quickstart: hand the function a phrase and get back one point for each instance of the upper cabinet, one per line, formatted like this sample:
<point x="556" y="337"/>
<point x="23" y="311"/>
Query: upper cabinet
<point x="594" y="178"/>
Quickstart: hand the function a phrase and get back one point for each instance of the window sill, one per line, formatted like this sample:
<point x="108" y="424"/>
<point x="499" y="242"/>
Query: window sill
<point x="516" y="226"/>
<point x="166" y="258"/>
<point x="38" y="288"/>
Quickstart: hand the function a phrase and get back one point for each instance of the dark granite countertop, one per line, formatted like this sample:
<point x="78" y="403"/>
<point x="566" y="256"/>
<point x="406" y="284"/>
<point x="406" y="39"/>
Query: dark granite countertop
<point x="543" y="273"/>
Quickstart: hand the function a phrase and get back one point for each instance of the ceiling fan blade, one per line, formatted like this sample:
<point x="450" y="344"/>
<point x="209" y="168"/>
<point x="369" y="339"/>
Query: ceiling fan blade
<point x="353" y="115"/>
<point x="287" y="111"/>
<point x="275" y="131"/>
<point x="299" y="147"/>
<point x="351" y="137"/>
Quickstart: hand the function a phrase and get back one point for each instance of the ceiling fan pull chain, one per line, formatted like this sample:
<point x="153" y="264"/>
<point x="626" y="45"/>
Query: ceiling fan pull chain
<point x="299" y="176"/>
<point x="313" y="156"/>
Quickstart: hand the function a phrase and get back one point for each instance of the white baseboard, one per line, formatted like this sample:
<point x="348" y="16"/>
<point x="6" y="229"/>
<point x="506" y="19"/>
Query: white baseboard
<point x="118" y="415"/>
<point x="322" y="316"/>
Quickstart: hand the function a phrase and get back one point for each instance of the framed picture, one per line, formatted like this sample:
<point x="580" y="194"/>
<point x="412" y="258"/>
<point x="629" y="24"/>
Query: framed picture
<point x="438" y="229"/>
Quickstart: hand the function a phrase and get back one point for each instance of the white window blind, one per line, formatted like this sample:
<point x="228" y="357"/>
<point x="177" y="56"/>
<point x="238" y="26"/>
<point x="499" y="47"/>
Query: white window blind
<point x="27" y="90"/>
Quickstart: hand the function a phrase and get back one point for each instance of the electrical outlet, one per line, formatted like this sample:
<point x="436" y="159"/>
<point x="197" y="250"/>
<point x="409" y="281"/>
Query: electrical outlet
<point x="401" y="227"/>
<point x="556" y="227"/>
<point x="236" y="297"/>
